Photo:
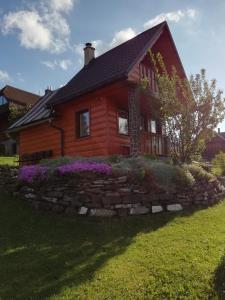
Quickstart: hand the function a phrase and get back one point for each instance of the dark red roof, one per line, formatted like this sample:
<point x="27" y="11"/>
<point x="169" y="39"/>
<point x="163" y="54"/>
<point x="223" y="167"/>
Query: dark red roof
<point x="18" y="96"/>
<point x="113" y="65"/>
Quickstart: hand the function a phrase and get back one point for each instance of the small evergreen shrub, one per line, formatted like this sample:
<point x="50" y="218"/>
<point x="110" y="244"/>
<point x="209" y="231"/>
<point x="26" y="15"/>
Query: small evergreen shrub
<point x="184" y="178"/>
<point x="199" y="173"/>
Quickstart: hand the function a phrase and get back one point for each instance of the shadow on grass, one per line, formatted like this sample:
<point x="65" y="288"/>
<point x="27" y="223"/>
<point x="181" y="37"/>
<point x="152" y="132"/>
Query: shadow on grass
<point x="42" y="254"/>
<point x="219" y="280"/>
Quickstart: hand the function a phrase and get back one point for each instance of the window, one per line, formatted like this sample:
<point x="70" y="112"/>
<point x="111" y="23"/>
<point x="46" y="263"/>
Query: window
<point x="152" y="126"/>
<point x="123" y="122"/>
<point x="2" y="100"/>
<point x="83" y="123"/>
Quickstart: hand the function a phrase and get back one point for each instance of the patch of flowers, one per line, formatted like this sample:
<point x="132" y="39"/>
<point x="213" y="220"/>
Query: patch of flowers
<point x="33" y="172"/>
<point x="85" y="166"/>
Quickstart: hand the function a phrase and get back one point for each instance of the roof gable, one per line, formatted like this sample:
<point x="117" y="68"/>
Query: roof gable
<point x="19" y="96"/>
<point x="165" y="45"/>
<point x="113" y="65"/>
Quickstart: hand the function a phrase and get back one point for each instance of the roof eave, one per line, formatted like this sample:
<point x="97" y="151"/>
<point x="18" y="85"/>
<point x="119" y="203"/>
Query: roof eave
<point x="32" y="124"/>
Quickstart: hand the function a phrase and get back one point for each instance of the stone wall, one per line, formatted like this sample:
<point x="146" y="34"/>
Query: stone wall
<point x="108" y="196"/>
<point x="8" y="178"/>
<point x="119" y="196"/>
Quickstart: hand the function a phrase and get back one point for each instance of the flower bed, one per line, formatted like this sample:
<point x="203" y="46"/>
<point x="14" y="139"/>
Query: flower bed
<point x="34" y="173"/>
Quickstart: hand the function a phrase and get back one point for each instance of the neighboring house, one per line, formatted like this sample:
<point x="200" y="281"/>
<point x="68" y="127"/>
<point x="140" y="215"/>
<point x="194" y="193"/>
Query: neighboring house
<point x="10" y="95"/>
<point x="93" y="114"/>
<point x="214" y="146"/>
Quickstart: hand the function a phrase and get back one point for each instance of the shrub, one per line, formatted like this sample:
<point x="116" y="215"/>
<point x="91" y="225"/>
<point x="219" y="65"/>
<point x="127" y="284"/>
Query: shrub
<point x="164" y="174"/>
<point x="198" y="172"/>
<point x="218" y="164"/>
<point x="114" y="159"/>
<point x="84" y="166"/>
<point x="183" y="178"/>
<point x="31" y="173"/>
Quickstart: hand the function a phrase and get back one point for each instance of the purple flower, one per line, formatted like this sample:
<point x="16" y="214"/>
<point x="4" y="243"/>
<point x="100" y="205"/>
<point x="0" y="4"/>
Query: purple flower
<point x="85" y="166"/>
<point x="30" y="173"/>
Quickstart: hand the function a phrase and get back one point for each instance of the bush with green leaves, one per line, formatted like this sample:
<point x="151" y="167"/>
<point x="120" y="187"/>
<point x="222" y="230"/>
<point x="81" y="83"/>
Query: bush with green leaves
<point x="166" y="175"/>
<point x="184" y="178"/>
<point x="218" y="164"/>
<point x="198" y="172"/>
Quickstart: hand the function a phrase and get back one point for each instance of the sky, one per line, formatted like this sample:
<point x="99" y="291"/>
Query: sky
<point x="42" y="40"/>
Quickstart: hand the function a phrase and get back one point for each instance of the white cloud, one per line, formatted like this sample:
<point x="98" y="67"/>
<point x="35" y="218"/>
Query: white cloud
<point x="43" y="28"/>
<point x="64" y="64"/>
<point x="4" y="76"/>
<point x="101" y="46"/>
<point x="62" y="5"/>
<point x="122" y="36"/>
<point x="174" y="16"/>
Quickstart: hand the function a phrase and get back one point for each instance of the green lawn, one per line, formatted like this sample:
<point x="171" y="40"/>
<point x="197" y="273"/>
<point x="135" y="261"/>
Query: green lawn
<point x="9" y="160"/>
<point x="168" y="256"/>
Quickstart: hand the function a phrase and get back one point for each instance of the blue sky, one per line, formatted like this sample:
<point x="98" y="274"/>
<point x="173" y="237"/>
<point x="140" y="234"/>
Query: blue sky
<point x="42" y="41"/>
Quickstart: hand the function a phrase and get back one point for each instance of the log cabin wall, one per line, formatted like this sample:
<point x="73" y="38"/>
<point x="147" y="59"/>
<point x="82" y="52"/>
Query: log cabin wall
<point x="43" y="137"/>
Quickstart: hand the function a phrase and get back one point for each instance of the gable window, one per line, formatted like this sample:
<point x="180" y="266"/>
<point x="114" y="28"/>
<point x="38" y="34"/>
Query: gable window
<point x="83" y="123"/>
<point x="152" y="126"/>
<point x="123" y="122"/>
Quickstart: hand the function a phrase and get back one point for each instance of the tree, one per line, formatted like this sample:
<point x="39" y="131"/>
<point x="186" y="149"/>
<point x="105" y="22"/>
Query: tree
<point x="190" y="110"/>
<point x="17" y="111"/>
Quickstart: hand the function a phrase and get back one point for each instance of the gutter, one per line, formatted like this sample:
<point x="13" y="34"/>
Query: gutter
<point x="61" y="132"/>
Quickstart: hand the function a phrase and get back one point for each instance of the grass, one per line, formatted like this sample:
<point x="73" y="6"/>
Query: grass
<point x="166" y="256"/>
<point x="9" y="160"/>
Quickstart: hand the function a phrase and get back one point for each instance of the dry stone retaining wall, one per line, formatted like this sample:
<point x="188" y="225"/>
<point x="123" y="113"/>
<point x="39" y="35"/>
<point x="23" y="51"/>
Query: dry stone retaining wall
<point x="108" y="196"/>
<point x="117" y="197"/>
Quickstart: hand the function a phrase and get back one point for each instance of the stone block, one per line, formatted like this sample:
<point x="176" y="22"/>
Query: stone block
<point x="141" y="210"/>
<point x="157" y="209"/>
<point x="30" y="196"/>
<point x="83" y="210"/>
<point x="67" y="198"/>
<point x="125" y="190"/>
<point x="174" y="207"/>
<point x="49" y="199"/>
<point x="101" y="212"/>
<point x="122" y="179"/>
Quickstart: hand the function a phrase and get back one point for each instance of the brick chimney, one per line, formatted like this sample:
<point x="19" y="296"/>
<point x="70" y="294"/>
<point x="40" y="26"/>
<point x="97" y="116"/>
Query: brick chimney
<point x="89" y="53"/>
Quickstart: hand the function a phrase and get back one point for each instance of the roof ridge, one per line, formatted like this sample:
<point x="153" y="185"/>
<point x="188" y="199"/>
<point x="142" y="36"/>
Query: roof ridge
<point x="139" y="34"/>
<point x="24" y="91"/>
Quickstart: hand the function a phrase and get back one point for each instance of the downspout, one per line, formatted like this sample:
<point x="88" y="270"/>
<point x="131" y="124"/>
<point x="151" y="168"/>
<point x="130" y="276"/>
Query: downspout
<point x="60" y="130"/>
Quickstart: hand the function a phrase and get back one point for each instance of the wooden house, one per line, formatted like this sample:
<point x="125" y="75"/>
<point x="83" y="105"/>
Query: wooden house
<point x="10" y="95"/>
<point x="214" y="146"/>
<point x="93" y="114"/>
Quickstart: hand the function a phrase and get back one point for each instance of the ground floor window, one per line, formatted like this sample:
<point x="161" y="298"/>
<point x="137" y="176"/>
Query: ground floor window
<point x="152" y="126"/>
<point x="83" y="123"/>
<point x="123" y="122"/>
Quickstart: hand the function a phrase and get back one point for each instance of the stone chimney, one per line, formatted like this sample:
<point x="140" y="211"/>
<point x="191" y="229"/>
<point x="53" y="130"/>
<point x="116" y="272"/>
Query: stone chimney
<point x="89" y="53"/>
<point x="218" y="130"/>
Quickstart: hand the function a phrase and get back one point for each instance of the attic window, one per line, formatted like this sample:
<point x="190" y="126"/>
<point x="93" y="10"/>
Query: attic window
<point x="83" y="123"/>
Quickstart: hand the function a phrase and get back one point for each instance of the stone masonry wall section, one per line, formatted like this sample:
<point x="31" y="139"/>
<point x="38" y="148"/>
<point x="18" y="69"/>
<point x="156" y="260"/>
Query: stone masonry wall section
<point x="108" y="196"/>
